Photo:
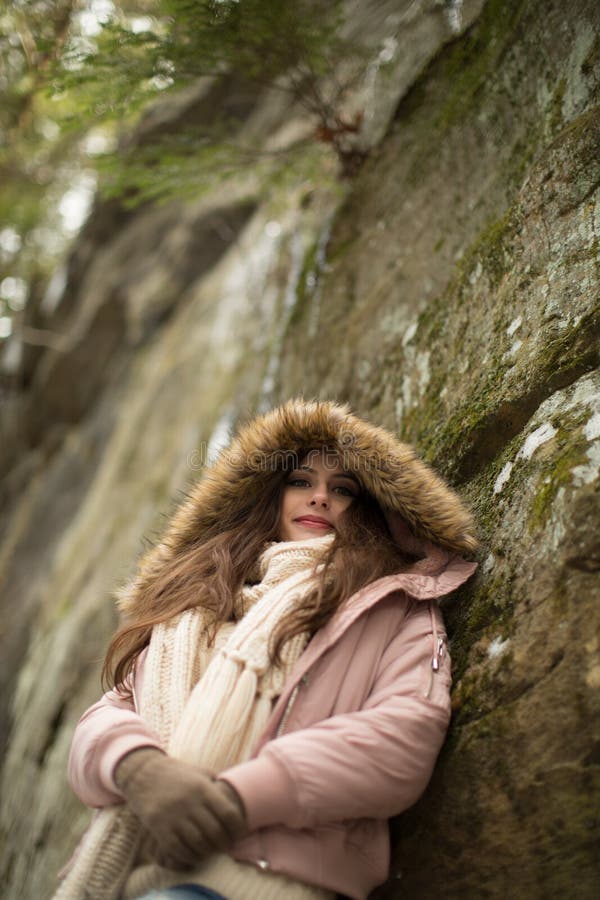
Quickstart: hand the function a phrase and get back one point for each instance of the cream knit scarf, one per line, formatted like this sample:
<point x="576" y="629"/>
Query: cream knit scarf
<point x="213" y="722"/>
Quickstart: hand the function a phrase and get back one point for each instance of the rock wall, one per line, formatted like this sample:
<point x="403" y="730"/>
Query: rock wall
<point x="449" y="292"/>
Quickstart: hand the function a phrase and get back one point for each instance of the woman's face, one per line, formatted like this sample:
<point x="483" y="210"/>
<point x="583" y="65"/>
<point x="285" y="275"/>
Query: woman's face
<point x="314" y="497"/>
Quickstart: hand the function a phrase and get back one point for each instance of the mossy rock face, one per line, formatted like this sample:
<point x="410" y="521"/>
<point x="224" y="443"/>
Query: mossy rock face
<point x="425" y="280"/>
<point x="510" y="811"/>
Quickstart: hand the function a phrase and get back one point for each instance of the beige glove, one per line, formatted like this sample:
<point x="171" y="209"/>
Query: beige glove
<point x="187" y="813"/>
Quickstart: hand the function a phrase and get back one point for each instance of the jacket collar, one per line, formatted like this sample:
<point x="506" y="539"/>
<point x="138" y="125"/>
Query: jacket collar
<point x="450" y="574"/>
<point x="446" y="574"/>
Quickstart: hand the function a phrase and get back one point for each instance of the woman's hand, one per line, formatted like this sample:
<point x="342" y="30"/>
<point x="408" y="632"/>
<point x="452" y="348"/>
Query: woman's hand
<point x="187" y="814"/>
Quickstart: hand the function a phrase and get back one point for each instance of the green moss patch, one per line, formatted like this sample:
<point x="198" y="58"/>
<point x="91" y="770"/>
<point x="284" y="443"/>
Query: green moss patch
<point x="465" y="66"/>
<point x="572" y="452"/>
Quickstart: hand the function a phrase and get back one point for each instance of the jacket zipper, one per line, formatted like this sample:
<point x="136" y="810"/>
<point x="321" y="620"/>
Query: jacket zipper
<point x="435" y="664"/>
<point x="288" y="709"/>
<point x="438" y="649"/>
<point x="262" y="862"/>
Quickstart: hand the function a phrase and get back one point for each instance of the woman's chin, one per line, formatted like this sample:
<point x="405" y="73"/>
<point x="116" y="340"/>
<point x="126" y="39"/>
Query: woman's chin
<point x="298" y="532"/>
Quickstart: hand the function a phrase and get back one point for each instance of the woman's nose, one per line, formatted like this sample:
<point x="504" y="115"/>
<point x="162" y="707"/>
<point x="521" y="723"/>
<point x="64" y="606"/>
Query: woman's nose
<point x="319" y="498"/>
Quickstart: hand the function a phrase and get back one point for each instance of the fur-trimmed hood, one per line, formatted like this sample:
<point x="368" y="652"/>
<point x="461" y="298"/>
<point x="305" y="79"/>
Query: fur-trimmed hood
<point x="420" y="508"/>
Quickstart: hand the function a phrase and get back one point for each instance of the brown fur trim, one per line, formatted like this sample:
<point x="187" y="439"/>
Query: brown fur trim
<point x="387" y="468"/>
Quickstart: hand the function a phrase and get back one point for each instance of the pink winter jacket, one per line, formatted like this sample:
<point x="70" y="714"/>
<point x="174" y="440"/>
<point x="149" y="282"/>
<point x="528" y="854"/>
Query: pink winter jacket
<point x="352" y="740"/>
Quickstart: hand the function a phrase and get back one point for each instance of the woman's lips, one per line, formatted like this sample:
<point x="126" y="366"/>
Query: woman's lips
<point x="313" y="522"/>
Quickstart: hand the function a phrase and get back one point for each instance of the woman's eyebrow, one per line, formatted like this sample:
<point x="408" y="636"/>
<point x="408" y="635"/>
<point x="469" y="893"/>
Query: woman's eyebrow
<point x="348" y="475"/>
<point x="335" y="474"/>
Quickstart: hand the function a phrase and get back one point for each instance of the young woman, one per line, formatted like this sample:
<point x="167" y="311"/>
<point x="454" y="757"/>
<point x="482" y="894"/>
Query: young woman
<point x="281" y="677"/>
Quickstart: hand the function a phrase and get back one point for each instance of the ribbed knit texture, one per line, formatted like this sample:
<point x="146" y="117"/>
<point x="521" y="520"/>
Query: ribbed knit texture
<point x="234" y="880"/>
<point x="207" y="713"/>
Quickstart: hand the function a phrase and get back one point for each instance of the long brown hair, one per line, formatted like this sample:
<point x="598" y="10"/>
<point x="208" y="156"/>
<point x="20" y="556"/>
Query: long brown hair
<point x="211" y="572"/>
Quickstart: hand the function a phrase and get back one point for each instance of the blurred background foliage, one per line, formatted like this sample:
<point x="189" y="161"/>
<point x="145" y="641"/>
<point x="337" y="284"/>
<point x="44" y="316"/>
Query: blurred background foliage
<point x="80" y="78"/>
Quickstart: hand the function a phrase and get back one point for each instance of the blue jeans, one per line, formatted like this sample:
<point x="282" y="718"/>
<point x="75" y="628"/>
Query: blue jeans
<point x="184" y="892"/>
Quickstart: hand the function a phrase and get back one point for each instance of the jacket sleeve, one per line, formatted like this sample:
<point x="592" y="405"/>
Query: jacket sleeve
<point x="106" y="732"/>
<point x="374" y="762"/>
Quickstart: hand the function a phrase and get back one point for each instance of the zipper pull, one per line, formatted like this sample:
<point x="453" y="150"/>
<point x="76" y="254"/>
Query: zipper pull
<point x="439" y="652"/>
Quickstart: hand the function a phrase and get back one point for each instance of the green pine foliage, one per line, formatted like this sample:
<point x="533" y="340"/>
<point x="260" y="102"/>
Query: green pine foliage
<point x="184" y="40"/>
<point x="72" y="70"/>
<point x="293" y="46"/>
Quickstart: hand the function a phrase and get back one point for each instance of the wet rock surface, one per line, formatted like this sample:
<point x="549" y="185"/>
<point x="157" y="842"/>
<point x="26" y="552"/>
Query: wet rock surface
<point x="449" y="292"/>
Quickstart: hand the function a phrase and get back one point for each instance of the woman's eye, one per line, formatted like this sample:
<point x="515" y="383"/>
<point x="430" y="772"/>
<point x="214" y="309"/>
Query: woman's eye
<point x="345" y="491"/>
<point x="337" y="489"/>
